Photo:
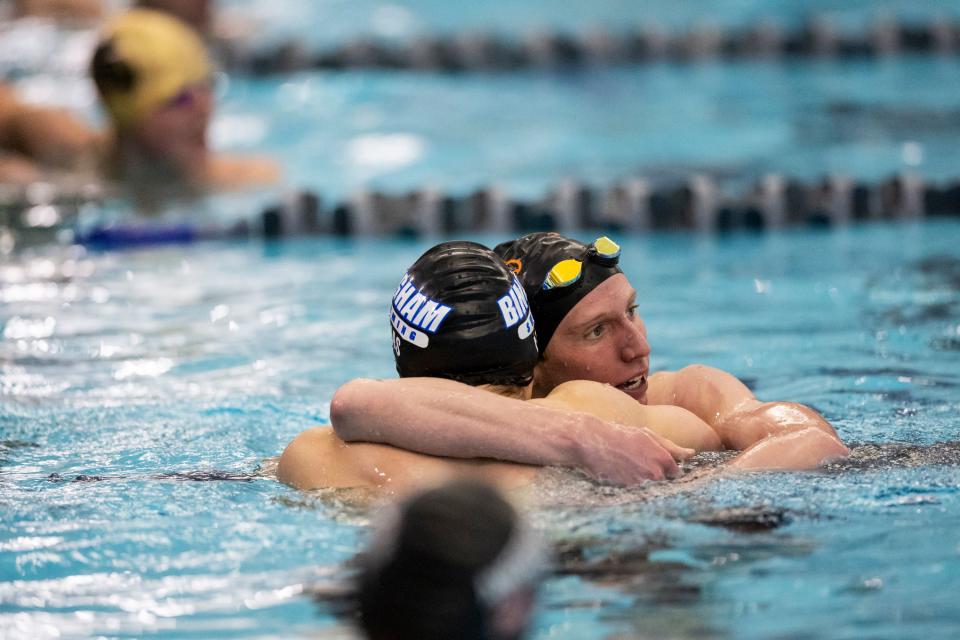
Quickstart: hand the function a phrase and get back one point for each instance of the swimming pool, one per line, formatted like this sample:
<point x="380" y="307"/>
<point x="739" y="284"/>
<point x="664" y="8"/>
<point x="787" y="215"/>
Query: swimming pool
<point x="406" y="18"/>
<point x="525" y="132"/>
<point x="735" y="121"/>
<point x="141" y="390"/>
<point x="342" y="134"/>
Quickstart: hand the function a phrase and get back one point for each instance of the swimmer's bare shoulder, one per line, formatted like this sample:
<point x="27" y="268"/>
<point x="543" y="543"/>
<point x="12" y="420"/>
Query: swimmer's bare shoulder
<point x="608" y="403"/>
<point x="237" y="172"/>
<point x="317" y="458"/>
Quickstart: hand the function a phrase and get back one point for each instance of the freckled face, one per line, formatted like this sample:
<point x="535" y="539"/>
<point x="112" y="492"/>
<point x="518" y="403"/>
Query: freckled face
<point x="602" y="339"/>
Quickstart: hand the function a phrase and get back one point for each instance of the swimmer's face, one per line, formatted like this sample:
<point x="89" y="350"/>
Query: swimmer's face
<point x="601" y="339"/>
<point x="176" y="131"/>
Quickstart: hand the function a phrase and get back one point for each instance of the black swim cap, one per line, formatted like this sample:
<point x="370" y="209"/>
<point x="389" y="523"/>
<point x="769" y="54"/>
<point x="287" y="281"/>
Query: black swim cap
<point x="439" y="562"/>
<point x="459" y="313"/>
<point x="534" y="255"/>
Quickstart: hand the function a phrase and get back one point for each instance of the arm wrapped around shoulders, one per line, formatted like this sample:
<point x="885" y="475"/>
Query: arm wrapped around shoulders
<point x="446" y="418"/>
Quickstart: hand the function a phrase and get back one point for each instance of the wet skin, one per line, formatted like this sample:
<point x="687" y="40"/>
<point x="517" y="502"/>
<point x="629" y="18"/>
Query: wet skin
<point x="601" y="339"/>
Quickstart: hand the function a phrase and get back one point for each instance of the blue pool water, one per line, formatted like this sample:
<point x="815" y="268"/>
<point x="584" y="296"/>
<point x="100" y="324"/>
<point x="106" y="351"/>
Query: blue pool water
<point x="525" y="132"/>
<point x="735" y="121"/>
<point x="141" y="389"/>
<point x="344" y="19"/>
<point x="336" y="133"/>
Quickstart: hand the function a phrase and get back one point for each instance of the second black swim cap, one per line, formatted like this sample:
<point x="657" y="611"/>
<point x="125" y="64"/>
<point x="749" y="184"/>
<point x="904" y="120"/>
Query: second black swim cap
<point x="460" y="313"/>
<point x="441" y="562"/>
<point x="532" y="258"/>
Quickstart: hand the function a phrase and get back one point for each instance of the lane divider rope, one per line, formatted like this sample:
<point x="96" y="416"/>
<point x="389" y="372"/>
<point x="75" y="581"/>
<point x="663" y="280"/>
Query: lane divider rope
<point x="819" y="37"/>
<point x="632" y="205"/>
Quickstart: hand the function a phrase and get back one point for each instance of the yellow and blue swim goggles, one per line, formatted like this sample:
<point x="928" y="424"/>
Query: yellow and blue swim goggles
<point x="565" y="273"/>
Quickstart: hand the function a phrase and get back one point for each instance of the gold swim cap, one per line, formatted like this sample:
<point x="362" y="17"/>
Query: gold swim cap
<point x="144" y="59"/>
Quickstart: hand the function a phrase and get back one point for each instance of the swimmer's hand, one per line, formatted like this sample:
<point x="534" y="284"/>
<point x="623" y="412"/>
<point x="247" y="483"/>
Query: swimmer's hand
<point x="679" y="453"/>
<point x="622" y="455"/>
<point x="756" y="420"/>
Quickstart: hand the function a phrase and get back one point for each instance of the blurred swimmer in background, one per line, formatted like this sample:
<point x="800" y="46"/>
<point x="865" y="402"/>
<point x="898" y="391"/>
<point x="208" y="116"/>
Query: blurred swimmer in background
<point x="454" y="562"/>
<point x="155" y="82"/>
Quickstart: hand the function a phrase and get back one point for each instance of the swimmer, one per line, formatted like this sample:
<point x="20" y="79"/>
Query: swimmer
<point x="455" y="561"/>
<point x="589" y="329"/>
<point x="461" y="318"/>
<point x="463" y="336"/>
<point x="154" y="79"/>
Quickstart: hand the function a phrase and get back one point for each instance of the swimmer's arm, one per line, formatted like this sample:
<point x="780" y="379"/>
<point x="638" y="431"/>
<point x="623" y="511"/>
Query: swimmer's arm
<point x="51" y="137"/>
<point x="317" y="458"/>
<point x="802" y="450"/>
<point x="237" y="172"/>
<point x="15" y="167"/>
<point x="729" y="407"/>
<point x="798" y="450"/>
<point x="61" y="9"/>
<point x="446" y="418"/>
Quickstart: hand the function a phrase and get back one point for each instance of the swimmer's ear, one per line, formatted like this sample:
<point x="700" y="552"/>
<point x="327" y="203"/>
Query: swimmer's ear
<point x="110" y="72"/>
